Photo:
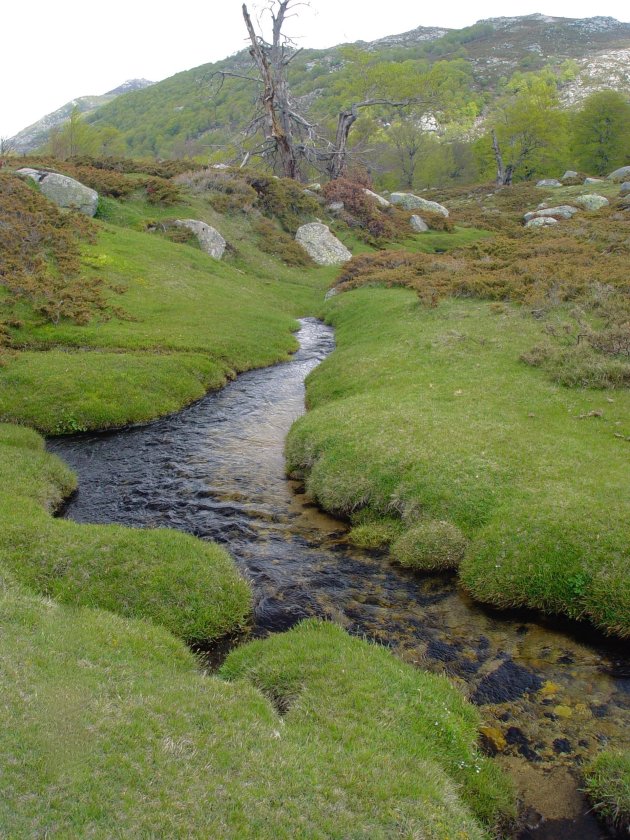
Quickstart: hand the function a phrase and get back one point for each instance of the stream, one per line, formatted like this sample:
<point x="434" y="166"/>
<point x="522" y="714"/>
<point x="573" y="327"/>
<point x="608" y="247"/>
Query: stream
<point x="552" y="693"/>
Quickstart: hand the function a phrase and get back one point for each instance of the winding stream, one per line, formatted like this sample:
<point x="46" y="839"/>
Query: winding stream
<point x="552" y="693"/>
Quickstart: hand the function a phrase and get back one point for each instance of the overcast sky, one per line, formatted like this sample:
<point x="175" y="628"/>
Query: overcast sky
<point x="53" y="52"/>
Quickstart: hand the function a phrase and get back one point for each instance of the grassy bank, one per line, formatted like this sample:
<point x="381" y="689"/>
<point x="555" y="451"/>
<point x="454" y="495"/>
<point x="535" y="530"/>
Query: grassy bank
<point x="429" y="431"/>
<point x="109" y="729"/>
<point x="608" y="787"/>
<point x="190" y="587"/>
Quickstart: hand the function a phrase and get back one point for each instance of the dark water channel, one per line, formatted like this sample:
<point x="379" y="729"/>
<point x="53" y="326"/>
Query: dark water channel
<point x="553" y="694"/>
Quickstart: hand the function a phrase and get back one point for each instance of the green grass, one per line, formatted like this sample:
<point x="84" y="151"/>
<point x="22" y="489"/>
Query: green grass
<point x="110" y="730"/>
<point x="429" y="414"/>
<point x="192" y="321"/>
<point x="190" y="587"/>
<point x="608" y="787"/>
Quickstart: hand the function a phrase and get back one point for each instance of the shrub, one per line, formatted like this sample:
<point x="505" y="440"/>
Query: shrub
<point x="162" y="191"/>
<point x="285" y="200"/>
<point x="431" y="544"/>
<point x="40" y="260"/>
<point x="371" y="222"/>
<point x="279" y="244"/>
<point x="225" y="190"/>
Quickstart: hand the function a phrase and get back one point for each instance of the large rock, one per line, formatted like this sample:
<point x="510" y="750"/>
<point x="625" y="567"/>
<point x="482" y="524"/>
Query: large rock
<point x="210" y="239"/>
<point x="409" y="201"/>
<point x="541" y="221"/>
<point x="378" y="198"/>
<point x="549" y="182"/>
<point x="591" y="201"/>
<point x="418" y="224"/>
<point x="321" y="245"/>
<point x="624" y="189"/>
<point x="570" y="173"/>
<point x="63" y="191"/>
<point x="620" y="175"/>
<point x="563" y="211"/>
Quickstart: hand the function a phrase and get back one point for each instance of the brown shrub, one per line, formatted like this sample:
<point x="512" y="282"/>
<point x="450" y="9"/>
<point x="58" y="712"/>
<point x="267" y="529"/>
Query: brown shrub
<point x="279" y="244"/>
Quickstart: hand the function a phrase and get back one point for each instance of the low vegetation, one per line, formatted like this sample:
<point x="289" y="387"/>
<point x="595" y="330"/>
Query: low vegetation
<point x="190" y="587"/>
<point x="428" y="415"/>
<point x="122" y="735"/>
<point x="608" y="787"/>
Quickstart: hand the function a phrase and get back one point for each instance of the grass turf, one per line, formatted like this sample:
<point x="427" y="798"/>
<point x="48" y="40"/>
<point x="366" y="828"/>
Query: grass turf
<point x="110" y="730"/>
<point x="608" y="787"/>
<point x="188" y="586"/>
<point x="428" y="415"/>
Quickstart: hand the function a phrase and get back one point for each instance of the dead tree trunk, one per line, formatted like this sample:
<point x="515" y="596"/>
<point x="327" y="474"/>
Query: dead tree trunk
<point x="271" y="61"/>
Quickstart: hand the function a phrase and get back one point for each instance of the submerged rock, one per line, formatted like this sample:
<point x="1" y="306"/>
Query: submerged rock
<point x="418" y="224"/>
<point x="209" y="238"/>
<point x="63" y="191"/>
<point x="591" y="201"/>
<point x="409" y="201"/>
<point x="509" y="682"/>
<point x="321" y="245"/>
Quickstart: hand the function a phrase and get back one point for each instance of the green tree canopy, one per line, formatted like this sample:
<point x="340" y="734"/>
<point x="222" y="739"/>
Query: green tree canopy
<point x="601" y="132"/>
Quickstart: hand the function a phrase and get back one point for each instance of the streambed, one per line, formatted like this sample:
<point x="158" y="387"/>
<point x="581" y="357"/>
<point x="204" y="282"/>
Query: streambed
<point x="553" y="693"/>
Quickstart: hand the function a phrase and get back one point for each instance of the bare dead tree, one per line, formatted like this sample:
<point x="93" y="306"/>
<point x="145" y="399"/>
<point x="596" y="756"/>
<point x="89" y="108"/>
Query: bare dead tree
<point x="504" y="173"/>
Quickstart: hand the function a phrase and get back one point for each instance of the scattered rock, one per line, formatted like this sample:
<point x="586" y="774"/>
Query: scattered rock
<point x="509" y="682"/>
<point x="378" y="198"/>
<point x="335" y="207"/>
<point x="409" y="201"/>
<point x="418" y="224"/>
<point x="591" y="201"/>
<point x="310" y="192"/>
<point x="541" y="222"/>
<point x="549" y="182"/>
<point x="321" y="245"/>
<point x="562" y="211"/>
<point x="593" y="181"/>
<point x="570" y="173"/>
<point x="63" y="191"/>
<point x="220" y="166"/>
<point x="315" y="187"/>
<point x="210" y="239"/>
<point x="620" y="175"/>
<point x="624" y="189"/>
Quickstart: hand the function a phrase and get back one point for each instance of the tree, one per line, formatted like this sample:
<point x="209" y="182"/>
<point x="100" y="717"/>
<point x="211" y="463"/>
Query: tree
<point x="75" y="137"/>
<point x="529" y="130"/>
<point x="601" y="132"/>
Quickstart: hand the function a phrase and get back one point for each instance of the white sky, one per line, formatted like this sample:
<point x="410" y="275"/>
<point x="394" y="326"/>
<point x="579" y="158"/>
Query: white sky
<point x="53" y="51"/>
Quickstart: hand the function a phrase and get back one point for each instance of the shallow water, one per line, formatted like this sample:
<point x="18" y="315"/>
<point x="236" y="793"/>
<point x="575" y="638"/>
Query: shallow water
<point x="553" y="693"/>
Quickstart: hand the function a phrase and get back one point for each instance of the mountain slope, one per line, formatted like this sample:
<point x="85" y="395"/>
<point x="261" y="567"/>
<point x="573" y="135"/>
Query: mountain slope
<point x="192" y="114"/>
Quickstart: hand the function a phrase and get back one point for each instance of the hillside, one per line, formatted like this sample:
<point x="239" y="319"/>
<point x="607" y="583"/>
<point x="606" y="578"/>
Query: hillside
<point x="35" y="135"/>
<point x="185" y="115"/>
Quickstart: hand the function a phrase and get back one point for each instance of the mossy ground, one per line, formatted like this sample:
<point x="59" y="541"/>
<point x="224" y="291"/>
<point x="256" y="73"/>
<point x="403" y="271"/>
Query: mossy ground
<point x="429" y="414"/>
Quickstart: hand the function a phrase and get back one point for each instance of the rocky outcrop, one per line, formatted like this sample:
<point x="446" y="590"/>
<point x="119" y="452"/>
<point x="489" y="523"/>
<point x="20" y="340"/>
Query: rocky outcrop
<point x="549" y="182"/>
<point x="63" y="191"/>
<point x="409" y="201"/>
<point x="541" y="221"/>
<point x="209" y="238"/>
<point x="563" y="211"/>
<point x="591" y="201"/>
<point x="418" y="224"/>
<point x="383" y="202"/>
<point x="321" y="245"/>
<point x="620" y="175"/>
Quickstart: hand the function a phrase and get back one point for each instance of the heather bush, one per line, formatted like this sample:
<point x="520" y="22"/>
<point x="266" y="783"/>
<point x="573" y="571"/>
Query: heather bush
<point x="225" y="190"/>
<point x="272" y="240"/>
<point x="284" y="200"/>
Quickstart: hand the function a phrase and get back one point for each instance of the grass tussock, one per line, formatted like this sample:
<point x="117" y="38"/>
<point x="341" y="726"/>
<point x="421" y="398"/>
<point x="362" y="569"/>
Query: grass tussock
<point x="428" y="414"/>
<point x="121" y="735"/>
<point x="190" y="587"/>
<point x="608" y="788"/>
<point x="431" y="545"/>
